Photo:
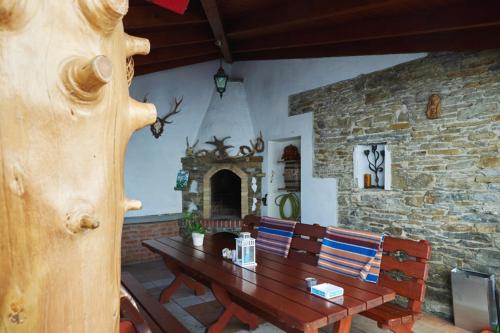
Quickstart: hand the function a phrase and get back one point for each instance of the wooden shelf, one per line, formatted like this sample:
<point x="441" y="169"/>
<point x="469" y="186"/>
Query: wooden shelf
<point x="295" y="189"/>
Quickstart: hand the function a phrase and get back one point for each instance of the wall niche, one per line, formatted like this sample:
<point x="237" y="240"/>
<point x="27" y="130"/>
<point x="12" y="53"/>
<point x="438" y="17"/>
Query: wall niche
<point x="374" y="160"/>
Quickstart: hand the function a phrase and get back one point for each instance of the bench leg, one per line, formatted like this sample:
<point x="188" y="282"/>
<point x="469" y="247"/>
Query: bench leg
<point x="180" y="278"/>
<point x="343" y="326"/>
<point x="231" y="309"/>
<point x="405" y="328"/>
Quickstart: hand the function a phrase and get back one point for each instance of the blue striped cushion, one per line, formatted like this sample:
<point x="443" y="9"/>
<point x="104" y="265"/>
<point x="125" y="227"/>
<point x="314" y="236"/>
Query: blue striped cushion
<point x="275" y="235"/>
<point x="353" y="253"/>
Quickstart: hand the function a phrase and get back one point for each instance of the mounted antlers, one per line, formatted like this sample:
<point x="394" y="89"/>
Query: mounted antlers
<point x="157" y="126"/>
<point x="257" y="147"/>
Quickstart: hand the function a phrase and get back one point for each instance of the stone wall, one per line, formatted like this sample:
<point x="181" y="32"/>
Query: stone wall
<point x="445" y="172"/>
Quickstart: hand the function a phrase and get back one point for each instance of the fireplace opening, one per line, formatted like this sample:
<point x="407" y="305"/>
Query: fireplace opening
<point x="226" y="195"/>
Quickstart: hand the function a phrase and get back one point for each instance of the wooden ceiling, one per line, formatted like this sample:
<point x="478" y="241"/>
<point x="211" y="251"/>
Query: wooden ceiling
<point x="284" y="29"/>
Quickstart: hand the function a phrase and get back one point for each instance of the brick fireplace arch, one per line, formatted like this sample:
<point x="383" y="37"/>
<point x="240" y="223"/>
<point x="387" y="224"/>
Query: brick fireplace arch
<point x="207" y="188"/>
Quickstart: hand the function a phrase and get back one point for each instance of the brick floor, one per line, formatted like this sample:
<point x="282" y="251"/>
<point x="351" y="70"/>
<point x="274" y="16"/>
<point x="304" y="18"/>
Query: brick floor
<point x="193" y="311"/>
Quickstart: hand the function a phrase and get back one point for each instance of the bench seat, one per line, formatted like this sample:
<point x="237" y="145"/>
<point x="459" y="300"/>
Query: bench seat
<point x="152" y="316"/>
<point x="390" y="315"/>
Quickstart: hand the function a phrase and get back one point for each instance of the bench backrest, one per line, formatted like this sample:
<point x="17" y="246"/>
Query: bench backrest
<point x="404" y="267"/>
<point x="405" y="270"/>
<point x="306" y="242"/>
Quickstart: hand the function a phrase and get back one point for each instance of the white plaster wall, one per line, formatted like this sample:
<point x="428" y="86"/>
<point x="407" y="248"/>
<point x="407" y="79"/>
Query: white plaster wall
<point x="268" y="85"/>
<point x="227" y="116"/>
<point x="151" y="164"/>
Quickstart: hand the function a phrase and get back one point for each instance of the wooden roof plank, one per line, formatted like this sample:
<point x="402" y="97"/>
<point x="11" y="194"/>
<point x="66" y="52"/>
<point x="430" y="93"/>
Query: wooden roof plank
<point x="473" y="39"/>
<point x="295" y="14"/>
<point x="152" y="16"/>
<point x="176" y="52"/>
<point x="162" y="66"/>
<point x="466" y="16"/>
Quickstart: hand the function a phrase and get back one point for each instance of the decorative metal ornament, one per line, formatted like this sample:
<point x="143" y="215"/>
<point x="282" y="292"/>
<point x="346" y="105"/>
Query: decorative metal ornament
<point x="376" y="165"/>
<point x="158" y="126"/>
<point x="220" y="79"/>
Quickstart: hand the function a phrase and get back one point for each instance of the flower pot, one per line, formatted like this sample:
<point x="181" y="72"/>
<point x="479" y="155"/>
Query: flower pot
<point x="197" y="239"/>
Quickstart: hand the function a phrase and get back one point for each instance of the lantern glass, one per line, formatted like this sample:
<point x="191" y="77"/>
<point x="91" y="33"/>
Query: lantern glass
<point x="245" y="250"/>
<point x="220" y="79"/>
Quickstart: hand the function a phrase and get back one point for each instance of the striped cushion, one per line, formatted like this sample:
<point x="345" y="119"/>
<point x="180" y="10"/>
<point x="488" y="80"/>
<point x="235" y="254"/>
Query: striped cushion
<point x="353" y="253"/>
<point x="275" y="235"/>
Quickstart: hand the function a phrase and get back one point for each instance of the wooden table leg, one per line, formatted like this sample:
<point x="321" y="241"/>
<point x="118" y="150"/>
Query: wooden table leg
<point x="231" y="309"/>
<point x="343" y="326"/>
<point x="180" y="278"/>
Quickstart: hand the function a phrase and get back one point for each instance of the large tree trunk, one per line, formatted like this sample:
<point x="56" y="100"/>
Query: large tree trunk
<point x="65" y="120"/>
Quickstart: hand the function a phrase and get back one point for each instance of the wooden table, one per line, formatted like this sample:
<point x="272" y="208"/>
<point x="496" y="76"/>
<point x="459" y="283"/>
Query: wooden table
<point x="274" y="290"/>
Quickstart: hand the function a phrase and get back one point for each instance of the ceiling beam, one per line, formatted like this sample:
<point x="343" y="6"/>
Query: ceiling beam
<point x="467" y="15"/>
<point x="175" y="53"/>
<point x="295" y="14"/>
<point x="179" y="35"/>
<point x="161" y="66"/>
<point x="151" y="16"/>
<point x="475" y="39"/>
<point x="215" y="21"/>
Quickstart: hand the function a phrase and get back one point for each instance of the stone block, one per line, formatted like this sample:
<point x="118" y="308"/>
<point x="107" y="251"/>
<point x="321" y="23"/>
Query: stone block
<point x="489" y="161"/>
<point x="398" y="126"/>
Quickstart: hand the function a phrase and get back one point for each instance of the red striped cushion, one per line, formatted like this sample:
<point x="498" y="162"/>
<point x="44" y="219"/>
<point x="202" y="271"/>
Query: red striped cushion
<point x="275" y="235"/>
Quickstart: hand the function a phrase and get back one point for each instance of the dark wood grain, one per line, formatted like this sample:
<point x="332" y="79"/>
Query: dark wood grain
<point x="272" y="303"/>
<point x="158" y="318"/>
<point x="281" y="282"/>
<point x="214" y="18"/>
<point x="278" y="291"/>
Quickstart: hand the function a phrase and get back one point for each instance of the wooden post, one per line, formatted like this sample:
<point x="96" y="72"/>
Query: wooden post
<point x="65" y="120"/>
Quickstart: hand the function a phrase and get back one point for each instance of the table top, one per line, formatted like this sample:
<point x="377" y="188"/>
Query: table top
<point x="275" y="288"/>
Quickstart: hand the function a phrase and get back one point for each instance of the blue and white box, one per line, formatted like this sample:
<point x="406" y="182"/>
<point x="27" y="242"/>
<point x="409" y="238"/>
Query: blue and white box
<point x="327" y="290"/>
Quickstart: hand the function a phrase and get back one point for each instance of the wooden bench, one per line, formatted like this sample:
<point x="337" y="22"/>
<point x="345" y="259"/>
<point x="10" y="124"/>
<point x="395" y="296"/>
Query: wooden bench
<point x="404" y="269"/>
<point x="152" y="317"/>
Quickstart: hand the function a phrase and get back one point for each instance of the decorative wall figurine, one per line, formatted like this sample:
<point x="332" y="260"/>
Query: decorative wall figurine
<point x="159" y="124"/>
<point x="190" y="149"/>
<point x="433" y="107"/>
<point x="62" y="200"/>
<point x="220" y="150"/>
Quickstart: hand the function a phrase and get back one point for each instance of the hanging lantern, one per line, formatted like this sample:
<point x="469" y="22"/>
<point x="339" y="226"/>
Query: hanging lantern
<point x="220" y="79"/>
<point x="245" y="250"/>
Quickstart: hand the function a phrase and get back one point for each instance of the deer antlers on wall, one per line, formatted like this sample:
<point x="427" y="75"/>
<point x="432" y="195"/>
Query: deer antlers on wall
<point x="257" y="147"/>
<point x="159" y="124"/>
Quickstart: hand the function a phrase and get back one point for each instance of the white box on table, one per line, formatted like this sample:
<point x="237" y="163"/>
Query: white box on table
<point x="327" y="290"/>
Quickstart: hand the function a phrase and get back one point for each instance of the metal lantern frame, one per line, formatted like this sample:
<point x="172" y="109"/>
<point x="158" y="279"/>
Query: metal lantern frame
<point x="220" y="80"/>
<point x="245" y="250"/>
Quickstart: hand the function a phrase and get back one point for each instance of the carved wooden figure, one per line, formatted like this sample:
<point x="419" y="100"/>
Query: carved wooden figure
<point x="433" y="107"/>
<point x="65" y="120"/>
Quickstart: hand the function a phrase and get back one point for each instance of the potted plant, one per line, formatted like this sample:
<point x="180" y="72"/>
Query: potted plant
<point x="194" y="227"/>
<point x="198" y="233"/>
